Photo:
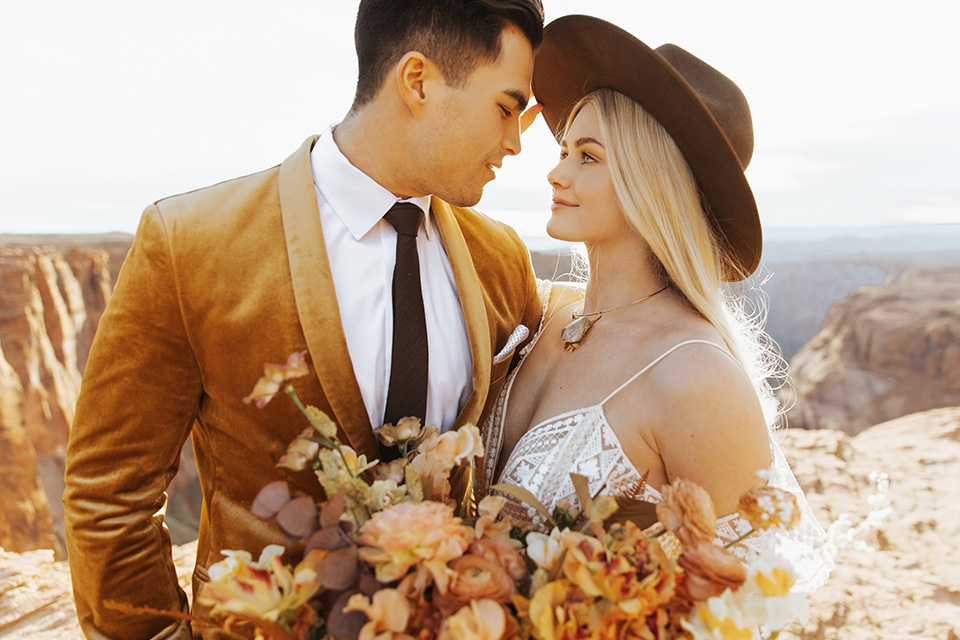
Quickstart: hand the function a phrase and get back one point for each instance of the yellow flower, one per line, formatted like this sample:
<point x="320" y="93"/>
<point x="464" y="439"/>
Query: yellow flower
<point x="770" y="579"/>
<point x="687" y="512"/>
<point x="408" y="534"/>
<point x="265" y="589"/>
<point x="274" y="375"/>
<point x="720" y="618"/>
<point x="769" y="507"/>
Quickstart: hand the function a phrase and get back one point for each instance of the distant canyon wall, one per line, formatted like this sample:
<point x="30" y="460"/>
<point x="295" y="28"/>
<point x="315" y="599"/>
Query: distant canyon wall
<point x="53" y="291"/>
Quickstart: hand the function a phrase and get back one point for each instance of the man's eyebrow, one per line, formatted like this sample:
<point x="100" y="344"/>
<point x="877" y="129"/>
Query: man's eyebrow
<point x="519" y="97"/>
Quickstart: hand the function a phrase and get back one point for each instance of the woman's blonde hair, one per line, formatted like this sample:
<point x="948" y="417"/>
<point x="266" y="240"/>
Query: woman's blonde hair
<point x="659" y="198"/>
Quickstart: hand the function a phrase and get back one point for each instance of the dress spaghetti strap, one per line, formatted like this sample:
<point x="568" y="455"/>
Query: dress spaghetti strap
<point x="661" y="357"/>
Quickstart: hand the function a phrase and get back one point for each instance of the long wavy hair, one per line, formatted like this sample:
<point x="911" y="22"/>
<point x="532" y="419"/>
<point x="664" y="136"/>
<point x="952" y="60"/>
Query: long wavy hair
<point x="659" y="198"/>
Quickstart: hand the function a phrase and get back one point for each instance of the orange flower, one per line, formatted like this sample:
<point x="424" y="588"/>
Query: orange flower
<point x="503" y="554"/>
<point x="487" y="525"/>
<point x="687" y="512"/>
<point x="274" y="375"/>
<point x="474" y="578"/>
<point x="769" y="507"/>
<point x="409" y="534"/>
<point x="710" y="570"/>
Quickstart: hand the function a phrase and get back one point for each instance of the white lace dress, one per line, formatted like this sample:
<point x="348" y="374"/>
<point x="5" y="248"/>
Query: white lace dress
<point x="581" y="441"/>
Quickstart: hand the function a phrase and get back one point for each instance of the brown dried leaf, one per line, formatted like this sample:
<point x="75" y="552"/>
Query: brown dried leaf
<point x="339" y="569"/>
<point x="345" y="625"/>
<point x="299" y="517"/>
<point x="327" y="539"/>
<point x="523" y="495"/>
<point x="332" y="509"/>
<point x="271" y="499"/>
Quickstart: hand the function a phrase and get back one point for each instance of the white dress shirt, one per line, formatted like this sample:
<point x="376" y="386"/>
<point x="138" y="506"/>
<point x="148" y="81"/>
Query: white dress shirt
<point x="362" y="248"/>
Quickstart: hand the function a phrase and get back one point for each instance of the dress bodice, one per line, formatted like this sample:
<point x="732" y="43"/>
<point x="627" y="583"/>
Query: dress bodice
<point x="580" y="441"/>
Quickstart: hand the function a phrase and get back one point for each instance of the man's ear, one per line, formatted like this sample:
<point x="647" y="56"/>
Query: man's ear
<point x="414" y="75"/>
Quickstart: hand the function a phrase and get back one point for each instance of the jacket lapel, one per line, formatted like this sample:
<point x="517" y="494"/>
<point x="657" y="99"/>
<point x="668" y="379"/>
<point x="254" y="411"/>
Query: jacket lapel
<point x="317" y="301"/>
<point x="474" y="309"/>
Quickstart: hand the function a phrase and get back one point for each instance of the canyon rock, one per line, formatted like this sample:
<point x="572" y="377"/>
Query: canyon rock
<point x="53" y="291"/>
<point x="883" y="352"/>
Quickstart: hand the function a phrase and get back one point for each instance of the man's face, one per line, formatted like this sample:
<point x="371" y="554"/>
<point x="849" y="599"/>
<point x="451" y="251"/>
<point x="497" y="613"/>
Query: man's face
<point x="467" y="131"/>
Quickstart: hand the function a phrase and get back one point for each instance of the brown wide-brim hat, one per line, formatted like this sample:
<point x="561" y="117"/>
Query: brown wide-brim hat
<point x="704" y="112"/>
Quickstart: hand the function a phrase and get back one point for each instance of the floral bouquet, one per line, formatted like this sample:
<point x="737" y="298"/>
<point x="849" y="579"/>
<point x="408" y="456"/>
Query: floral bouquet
<point x="392" y="555"/>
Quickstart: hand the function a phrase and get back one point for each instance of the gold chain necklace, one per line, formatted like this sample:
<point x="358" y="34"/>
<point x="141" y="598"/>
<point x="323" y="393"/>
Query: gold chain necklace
<point x="576" y="332"/>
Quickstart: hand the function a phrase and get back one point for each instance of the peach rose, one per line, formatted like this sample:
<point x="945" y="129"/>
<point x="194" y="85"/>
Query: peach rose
<point x="710" y="570"/>
<point x="474" y="578"/>
<point x="503" y="554"/>
<point x="687" y="512"/>
<point x="388" y="613"/>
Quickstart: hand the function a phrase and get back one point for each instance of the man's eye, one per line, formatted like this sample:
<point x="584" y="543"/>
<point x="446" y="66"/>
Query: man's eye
<point x="506" y="112"/>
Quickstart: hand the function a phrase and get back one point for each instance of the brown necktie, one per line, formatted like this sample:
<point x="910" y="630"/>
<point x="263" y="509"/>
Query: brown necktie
<point x="407" y="393"/>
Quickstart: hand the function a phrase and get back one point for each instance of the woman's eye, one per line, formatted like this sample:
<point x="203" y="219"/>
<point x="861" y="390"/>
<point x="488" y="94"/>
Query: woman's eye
<point x="563" y="155"/>
<point x="586" y="157"/>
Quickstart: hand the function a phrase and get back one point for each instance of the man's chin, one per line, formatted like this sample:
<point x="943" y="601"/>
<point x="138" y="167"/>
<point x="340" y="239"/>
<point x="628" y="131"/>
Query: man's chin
<point x="462" y="198"/>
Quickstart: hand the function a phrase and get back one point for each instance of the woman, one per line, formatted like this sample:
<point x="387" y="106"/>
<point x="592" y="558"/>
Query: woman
<point x="653" y="370"/>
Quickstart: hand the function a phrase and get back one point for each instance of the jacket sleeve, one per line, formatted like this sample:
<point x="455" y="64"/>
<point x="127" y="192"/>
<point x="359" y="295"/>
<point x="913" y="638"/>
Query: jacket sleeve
<point x="138" y="400"/>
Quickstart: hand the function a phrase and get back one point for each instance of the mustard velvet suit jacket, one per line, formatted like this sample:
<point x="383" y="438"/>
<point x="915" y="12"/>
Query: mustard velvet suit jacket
<point x="218" y="282"/>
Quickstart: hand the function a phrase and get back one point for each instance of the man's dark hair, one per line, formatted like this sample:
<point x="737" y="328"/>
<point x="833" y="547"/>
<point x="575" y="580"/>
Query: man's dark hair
<point x="457" y="35"/>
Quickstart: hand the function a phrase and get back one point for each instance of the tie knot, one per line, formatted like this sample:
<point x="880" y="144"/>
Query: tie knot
<point x="405" y="218"/>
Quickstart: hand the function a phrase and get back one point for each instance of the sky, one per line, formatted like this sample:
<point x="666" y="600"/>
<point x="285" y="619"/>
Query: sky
<point x="109" y="105"/>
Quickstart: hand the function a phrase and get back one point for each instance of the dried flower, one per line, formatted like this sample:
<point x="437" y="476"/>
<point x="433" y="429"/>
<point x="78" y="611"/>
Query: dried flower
<point x="383" y="494"/>
<point x="409" y="534"/>
<point x="406" y="429"/>
<point x="769" y="507"/>
<point x="274" y="375"/>
<point x="300" y="452"/>
<point x="388" y="614"/>
<point x="438" y="454"/>
<point x="709" y="570"/>
<point x="478" y="620"/>
<point x="487" y="525"/>
<point x="687" y="512"/>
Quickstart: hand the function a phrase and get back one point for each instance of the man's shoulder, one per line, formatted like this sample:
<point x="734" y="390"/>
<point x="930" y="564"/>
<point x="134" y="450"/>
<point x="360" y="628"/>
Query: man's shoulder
<point x="479" y="228"/>
<point x="222" y="195"/>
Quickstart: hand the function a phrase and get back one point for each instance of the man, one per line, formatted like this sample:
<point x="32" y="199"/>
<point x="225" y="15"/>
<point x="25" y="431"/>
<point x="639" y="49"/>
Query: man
<point x="300" y="257"/>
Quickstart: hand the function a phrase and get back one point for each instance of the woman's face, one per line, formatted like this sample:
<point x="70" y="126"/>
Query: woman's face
<point x="585" y="208"/>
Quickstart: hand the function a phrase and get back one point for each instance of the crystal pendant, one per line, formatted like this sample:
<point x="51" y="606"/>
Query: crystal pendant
<point x="576" y="332"/>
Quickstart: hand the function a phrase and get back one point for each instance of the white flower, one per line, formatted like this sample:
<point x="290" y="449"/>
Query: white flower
<point x="770" y="580"/>
<point x="545" y="550"/>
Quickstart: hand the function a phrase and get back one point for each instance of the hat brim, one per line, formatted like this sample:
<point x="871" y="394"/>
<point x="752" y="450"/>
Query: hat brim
<point x="581" y="54"/>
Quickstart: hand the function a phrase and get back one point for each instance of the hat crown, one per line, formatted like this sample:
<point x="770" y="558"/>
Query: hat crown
<point x="723" y="98"/>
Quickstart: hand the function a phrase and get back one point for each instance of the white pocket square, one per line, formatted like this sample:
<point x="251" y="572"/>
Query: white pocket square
<point x="519" y="335"/>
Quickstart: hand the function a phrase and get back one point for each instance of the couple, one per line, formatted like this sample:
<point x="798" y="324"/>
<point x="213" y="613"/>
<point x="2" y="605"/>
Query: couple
<point x="319" y="254"/>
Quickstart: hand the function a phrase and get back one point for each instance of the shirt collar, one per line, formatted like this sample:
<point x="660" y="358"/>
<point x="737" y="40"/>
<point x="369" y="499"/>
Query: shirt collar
<point x="356" y="198"/>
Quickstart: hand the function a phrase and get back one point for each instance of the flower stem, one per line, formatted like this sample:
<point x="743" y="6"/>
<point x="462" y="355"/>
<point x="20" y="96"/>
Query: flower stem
<point x="657" y="534"/>
<point x="327" y="442"/>
<point x="740" y="539"/>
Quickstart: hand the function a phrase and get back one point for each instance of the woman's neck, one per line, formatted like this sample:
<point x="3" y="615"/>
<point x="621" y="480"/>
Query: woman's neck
<point x="620" y="272"/>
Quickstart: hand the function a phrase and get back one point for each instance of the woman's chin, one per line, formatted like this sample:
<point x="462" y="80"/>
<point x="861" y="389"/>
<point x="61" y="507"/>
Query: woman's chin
<point x="559" y="231"/>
